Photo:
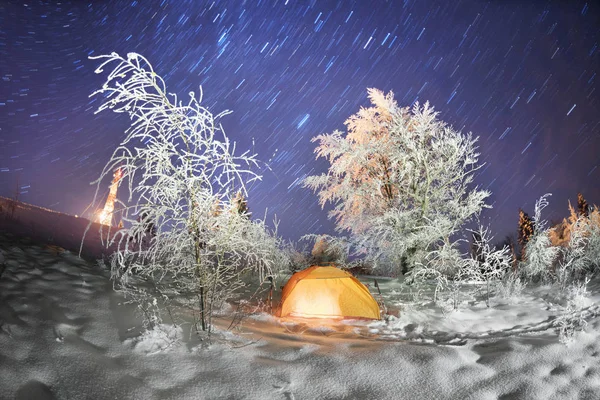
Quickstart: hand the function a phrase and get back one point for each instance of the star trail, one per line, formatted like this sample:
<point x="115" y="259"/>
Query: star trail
<point x="522" y="75"/>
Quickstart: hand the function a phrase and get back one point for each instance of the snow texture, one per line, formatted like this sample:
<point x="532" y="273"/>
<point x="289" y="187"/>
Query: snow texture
<point x="64" y="333"/>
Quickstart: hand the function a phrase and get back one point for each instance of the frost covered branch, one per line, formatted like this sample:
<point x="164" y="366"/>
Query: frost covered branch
<point x="396" y="172"/>
<point x="183" y="229"/>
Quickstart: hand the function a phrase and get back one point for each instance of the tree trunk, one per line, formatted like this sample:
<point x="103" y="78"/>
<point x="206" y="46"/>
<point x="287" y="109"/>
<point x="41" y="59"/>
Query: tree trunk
<point x="270" y="298"/>
<point x="202" y="318"/>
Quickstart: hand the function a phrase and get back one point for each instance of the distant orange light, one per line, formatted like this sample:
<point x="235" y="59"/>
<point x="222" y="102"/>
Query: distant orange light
<point x="105" y="216"/>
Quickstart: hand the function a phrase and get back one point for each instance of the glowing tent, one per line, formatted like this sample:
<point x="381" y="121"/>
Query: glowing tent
<point x="327" y="292"/>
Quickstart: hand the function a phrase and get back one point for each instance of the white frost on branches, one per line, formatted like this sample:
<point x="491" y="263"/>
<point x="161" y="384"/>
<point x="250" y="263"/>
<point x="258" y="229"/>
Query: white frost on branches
<point x="396" y="173"/>
<point x="539" y="253"/>
<point x="184" y="232"/>
<point x="453" y="272"/>
<point x="488" y="264"/>
<point x="582" y="254"/>
<point x="570" y="262"/>
<point x="572" y="320"/>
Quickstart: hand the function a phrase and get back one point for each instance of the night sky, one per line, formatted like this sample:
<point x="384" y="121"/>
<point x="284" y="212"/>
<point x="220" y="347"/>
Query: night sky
<point x="522" y="75"/>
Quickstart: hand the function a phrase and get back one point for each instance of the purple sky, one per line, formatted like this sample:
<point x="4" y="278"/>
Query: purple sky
<point x="522" y="75"/>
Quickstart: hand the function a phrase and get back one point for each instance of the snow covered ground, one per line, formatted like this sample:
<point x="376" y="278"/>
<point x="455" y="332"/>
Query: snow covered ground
<point x="65" y="334"/>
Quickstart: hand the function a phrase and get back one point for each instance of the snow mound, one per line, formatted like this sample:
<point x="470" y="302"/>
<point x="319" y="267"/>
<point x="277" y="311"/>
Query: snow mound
<point x="161" y="338"/>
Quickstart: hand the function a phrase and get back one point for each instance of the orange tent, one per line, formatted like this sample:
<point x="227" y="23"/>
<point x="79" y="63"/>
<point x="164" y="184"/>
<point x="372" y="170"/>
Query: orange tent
<point x="327" y="292"/>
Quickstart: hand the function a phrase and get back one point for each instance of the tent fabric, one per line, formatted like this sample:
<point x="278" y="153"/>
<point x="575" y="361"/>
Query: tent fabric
<point x="327" y="292"/>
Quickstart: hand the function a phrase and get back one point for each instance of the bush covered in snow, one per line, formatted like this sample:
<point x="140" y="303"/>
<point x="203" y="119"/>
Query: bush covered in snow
<point x="459" y="275"/>
<point x="571" y="320"/>
<point x="567" y="260"/>
<point x="539" y="254"/>
<point x="184" y="181"/>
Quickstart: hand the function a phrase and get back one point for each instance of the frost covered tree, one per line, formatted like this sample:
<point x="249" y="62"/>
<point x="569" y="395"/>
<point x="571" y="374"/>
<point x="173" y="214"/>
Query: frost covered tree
<point x="581" y="255"/>
<point x="489" y="264"/>
<point x="560" y="233"/>
<point x="454" y="273"/>
<point x="181" y="175"/>
<point x="540" y="254"/>
<point x="565" y="259"/>
<point x="395" y="174"/>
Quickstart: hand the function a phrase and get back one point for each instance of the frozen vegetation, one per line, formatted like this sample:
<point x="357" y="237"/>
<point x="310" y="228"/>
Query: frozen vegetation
<point x="65" y="333"/>
<point x="182" y="305"/>
<point x="186" y="235"/>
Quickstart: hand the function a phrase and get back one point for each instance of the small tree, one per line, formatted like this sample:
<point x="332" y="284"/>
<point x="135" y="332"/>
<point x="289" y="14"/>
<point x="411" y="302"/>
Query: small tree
<point x="566" y="260"/>
<point x="541" y="255"/>
<point x="526" y="230"/>
<point x="582" y="254"/>
<point x="509" y="242"/>
<point x="181" y="173"/>
<point x="582" y="205"/>
<point x="452" y="271"/>
<point x="491" y="264"/>
<point x="395" y="173"/>
<point x="560" y="234"/>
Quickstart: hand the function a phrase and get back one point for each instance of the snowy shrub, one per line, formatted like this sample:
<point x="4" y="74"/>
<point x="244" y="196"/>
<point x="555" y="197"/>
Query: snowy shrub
<point x="425" y="273"/>
<point x="539" y="253"/>
<point x="185" y="235"/>
<point x="460" y="275"/>
<point x="576" y="253"/>
<point x="573" y="260"/>
<point x="396" y="173"/>
<point x="540" y="256"/>
<point x="488" y="264"/>
<point x="510" y="286"/>
<point x="593" y="239"/>
<point x="572" y="320"/>
<point x="442" y="266"/>
<point x="581" y="254"/>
